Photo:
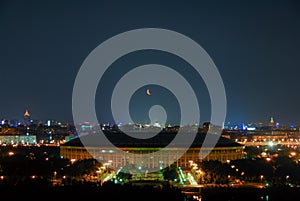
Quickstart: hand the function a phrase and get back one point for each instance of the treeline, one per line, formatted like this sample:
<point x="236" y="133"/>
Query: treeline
<point x="280" y="171"/>
<point x="40" y="189"/>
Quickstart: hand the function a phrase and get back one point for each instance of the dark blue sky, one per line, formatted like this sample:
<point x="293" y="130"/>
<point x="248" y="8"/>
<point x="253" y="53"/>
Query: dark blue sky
<point x="255" y="45"/>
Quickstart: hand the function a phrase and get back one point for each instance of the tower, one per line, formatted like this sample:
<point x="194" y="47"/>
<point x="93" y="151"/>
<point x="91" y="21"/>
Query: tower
<point x="271" y="122"/>
<point x="26" y="118"/>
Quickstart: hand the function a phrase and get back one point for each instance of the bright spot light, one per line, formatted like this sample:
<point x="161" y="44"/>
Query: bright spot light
<point x="271" y="144"/>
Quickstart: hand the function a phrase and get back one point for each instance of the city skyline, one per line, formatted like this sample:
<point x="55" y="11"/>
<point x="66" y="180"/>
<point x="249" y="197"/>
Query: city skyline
<point x="27" y="116"/>
<point x="254" y="45"/>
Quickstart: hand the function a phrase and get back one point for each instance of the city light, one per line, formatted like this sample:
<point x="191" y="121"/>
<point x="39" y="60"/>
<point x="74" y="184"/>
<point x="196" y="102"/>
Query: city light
<point x="102" y="99"/>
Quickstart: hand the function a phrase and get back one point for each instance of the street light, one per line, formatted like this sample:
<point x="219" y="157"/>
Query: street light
<point x="261" y="178"/>
<point x="287" y="179"/>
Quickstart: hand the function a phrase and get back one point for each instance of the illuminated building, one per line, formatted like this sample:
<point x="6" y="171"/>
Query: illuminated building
<point x="17" y="139"/>
<point x="271" y="122"/>
<point x="26" y="118"/>
<point x="223" y="151"/>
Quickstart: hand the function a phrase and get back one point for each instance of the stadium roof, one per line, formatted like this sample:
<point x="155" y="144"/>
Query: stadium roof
<point x="159" y="141"/>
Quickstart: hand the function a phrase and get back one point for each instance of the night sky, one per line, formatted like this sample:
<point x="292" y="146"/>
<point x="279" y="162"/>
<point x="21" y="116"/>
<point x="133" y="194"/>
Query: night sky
<point x="254" y="44"/>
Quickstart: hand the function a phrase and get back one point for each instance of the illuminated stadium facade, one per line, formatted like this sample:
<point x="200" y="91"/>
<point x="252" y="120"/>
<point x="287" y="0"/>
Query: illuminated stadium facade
<point x="223" y="151"/>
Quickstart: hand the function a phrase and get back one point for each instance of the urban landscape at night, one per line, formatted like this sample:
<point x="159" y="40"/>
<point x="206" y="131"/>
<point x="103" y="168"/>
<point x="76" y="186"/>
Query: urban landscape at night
<point x="48" y="156"/>
<point x="150" y="100"/>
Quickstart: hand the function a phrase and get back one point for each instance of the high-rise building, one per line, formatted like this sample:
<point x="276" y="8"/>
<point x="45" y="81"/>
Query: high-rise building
<point x="26" y="118"/>
<point x="271" y="122"/>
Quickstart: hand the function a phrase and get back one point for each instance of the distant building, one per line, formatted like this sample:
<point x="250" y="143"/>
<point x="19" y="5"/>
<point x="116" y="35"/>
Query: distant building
<point x="208" y="127"/>
<point x="26" y="118"/>
<point x="271" y="122"/>
<point x="8" y="130"/>
<point x="17" y="139"/>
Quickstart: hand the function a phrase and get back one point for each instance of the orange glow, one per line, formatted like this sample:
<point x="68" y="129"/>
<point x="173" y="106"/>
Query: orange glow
<point x="26" y="114"/>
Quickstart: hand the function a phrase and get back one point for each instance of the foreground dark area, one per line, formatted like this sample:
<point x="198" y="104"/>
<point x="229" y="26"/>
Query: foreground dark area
<point x="240" y="194"/>
<point x="40" y="190"/>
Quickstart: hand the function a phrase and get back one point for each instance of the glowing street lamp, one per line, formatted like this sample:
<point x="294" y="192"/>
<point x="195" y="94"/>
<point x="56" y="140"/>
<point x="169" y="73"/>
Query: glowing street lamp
<point x="11" y="153"/>
<point x="287" y="178"/>
<point x="261" y="178"/>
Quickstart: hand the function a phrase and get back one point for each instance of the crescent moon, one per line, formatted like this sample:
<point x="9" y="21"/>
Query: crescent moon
<point x="148" y="92"/>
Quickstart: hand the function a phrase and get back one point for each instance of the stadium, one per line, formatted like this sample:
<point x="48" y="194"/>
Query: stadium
<point x="224" y="150"/>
